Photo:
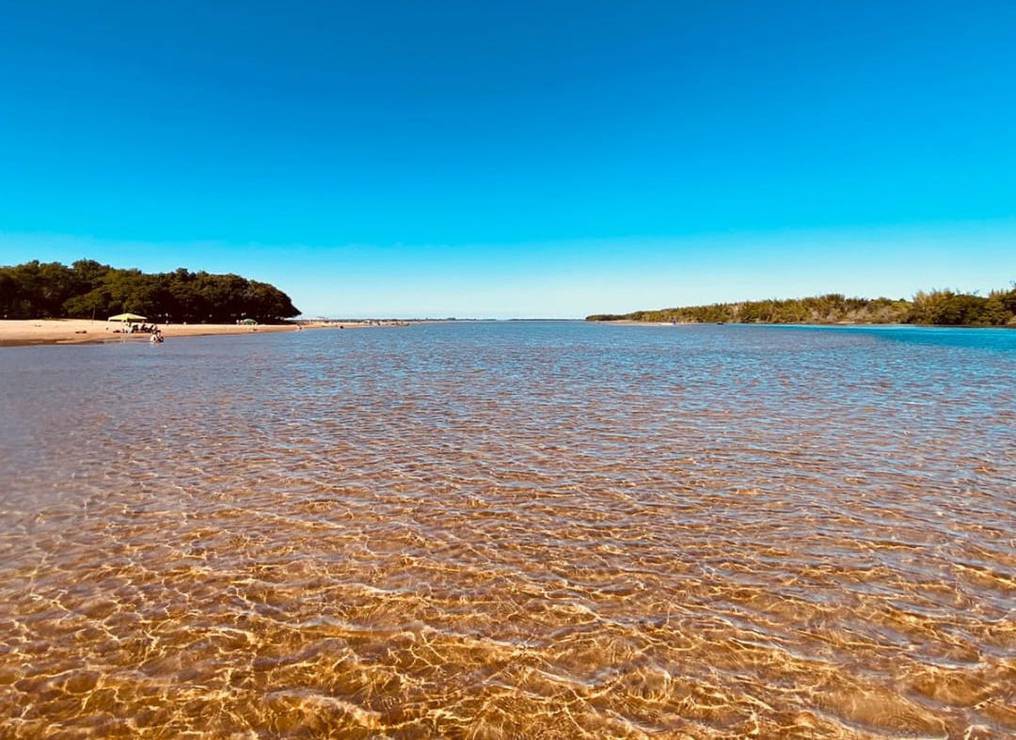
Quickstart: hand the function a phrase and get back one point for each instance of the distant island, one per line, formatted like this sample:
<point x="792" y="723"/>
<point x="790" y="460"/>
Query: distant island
<point x="88" y="289"/>
<point x="936" y="307"/>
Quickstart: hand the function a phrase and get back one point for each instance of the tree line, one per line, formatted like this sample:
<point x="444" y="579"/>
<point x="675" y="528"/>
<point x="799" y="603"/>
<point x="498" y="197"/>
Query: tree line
<point x="939" y="307"/>
<point x="88" y="289"/>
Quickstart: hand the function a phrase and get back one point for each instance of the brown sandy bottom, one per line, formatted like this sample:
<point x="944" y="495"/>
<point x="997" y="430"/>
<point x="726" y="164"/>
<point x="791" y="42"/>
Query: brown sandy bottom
<point x="390" y="539"/>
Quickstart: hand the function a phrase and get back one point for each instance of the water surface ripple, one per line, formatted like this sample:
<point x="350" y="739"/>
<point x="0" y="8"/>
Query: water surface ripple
<point x="512" y="530"/>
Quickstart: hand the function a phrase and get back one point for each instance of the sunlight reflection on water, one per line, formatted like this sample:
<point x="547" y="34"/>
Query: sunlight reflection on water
<point x="512" y="530"/>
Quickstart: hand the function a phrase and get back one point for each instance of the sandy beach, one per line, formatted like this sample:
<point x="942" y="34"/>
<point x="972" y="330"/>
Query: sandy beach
<point x="81" y="331"/>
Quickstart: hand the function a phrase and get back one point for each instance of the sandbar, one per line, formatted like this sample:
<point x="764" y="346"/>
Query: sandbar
<point x="20" y="332"/>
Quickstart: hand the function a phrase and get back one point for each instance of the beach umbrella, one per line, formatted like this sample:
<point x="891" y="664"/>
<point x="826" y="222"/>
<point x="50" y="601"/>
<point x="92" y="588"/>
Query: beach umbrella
<point x="127" y="317"/>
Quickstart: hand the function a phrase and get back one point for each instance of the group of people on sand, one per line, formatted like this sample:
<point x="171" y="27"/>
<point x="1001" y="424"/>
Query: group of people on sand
<point x="133" y="328"/>
<point x="152" y="330"/>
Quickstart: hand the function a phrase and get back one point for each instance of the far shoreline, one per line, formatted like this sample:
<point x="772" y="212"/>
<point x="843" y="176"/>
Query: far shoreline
<point x="822" y="325"/>
<point x="41" y="332"/>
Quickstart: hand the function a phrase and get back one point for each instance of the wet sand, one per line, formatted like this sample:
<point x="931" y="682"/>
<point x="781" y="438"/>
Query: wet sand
<point x="81" y="331"/>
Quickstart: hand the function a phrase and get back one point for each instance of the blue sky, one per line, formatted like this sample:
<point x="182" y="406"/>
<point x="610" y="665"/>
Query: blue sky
<point x="516" y="159"/>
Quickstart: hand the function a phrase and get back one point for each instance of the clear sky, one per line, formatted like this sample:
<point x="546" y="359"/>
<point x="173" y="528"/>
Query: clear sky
<point x="517" y="158"/>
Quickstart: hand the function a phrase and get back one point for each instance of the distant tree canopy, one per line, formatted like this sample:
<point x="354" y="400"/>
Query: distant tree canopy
<point x="940" y="307"/>
<point x="87" y="288"/>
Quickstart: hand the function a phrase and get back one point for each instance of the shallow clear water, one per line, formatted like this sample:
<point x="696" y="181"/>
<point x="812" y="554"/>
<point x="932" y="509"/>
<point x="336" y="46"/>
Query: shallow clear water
<point x="512" y="530"/>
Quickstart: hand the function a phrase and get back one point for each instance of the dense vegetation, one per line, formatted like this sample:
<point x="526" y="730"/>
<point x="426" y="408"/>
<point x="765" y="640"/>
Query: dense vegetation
<point x="88" y="289"/>
<point x="936" y="307"/>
